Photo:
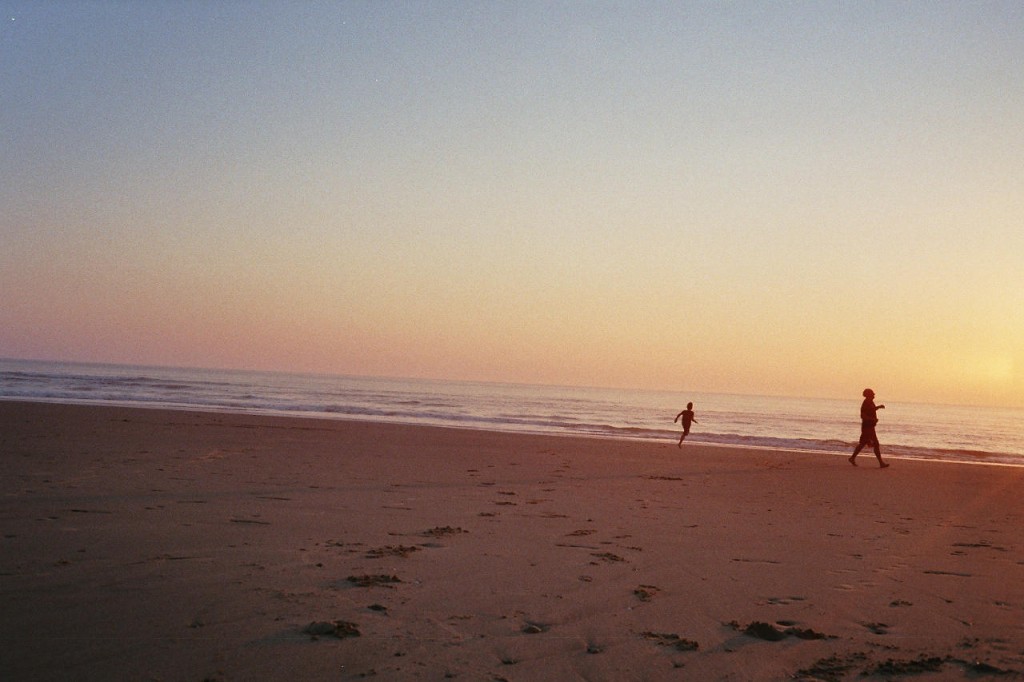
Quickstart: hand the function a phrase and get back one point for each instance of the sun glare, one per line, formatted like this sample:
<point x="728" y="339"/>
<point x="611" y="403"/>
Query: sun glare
<point x="996" y="369"/>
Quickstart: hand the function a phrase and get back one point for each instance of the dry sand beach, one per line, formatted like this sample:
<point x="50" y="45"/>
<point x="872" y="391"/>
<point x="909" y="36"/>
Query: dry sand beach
<point x="162" y="545"/>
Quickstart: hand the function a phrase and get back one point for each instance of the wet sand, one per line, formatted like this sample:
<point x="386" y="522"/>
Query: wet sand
<point x="163" y="545"/>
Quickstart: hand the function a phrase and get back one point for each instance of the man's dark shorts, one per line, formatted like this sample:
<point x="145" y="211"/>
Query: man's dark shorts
<point x="867" y="435"/>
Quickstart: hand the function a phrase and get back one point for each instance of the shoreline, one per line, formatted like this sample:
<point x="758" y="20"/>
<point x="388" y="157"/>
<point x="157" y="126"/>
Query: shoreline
<point x="999" y="458"/>
<point x="162" y="544"/>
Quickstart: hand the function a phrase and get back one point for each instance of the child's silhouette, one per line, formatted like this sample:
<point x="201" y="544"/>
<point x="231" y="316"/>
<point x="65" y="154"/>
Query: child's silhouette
<point x="687" y="419"/>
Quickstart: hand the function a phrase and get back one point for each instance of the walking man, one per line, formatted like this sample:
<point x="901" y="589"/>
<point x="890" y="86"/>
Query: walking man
<point x="868" y="419"/>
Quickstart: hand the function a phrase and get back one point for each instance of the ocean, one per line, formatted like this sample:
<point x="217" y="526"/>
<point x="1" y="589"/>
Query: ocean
<point x="906" y="430"/>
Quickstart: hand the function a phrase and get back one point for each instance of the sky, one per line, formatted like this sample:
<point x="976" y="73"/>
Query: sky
<point x="781" y="198"/>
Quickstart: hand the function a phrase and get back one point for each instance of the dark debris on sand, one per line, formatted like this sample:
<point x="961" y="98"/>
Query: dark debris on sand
<point x="339" y="628"/>
<point x="877" y="628"/>
<point x="983" y="669"/>
<point x="836" y="668"/>
<point x="441" y="531"/>
<point x="832" y="669"/>
<point x="646" y="592"/>
<point x="770" y="633"/>
<point x="607" y="556"/>
<point x="373" y="580"/>
<point x="671" y="639"/>
<point x="921" y="664"/>
<point x="391" y="550"/>
<point x="535" y="628"/>
<point x="927" y="664"/>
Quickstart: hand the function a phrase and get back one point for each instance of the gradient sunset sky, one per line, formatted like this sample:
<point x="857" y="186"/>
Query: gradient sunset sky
<point x="800" y="198"/>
